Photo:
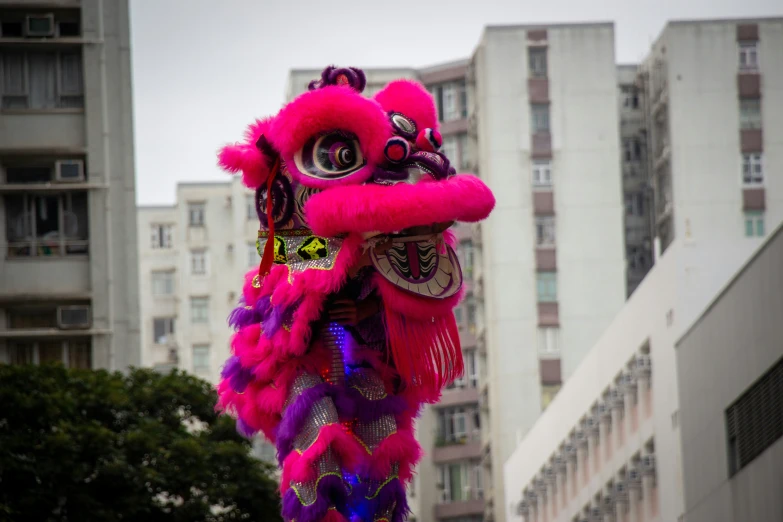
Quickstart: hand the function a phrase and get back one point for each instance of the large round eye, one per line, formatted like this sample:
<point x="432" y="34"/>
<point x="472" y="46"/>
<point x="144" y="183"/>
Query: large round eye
<point x="331" y="156"/>
<point x="403" y="124"/>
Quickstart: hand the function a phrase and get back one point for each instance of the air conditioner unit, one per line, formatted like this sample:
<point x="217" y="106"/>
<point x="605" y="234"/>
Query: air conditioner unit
<point x="540" y="485"/>
<point x="596" y="514"/>
<point x="634" y="478"/>
<point x="620" y="490"/>
<point x="604" y="410"/>
<point x="73" y="317"/>
<point x="607" y="503"/>
<point x="617" y="398"/>
<point x="581" y="437"/>
<point x="39" y="25"/>
<point x="559" y="462"/>
<point x="628" y="382"/>
<point x="523" y="509"/>
<point x="592" y="424"/>
<point x="550" y="474"/>
<point x="648" y="464"/>
<point x="570" y="449"/>
<point x="69" y="171"/>
<point x="643" y="365"/>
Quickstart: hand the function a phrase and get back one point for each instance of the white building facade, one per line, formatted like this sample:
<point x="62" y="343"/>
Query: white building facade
<point x="552" y="252"/>
<point x="68" y="258"/>
<point x="194" y="256"/>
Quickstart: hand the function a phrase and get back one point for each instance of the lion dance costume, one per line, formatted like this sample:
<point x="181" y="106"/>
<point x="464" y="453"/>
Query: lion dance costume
<point x="354" y="201"/>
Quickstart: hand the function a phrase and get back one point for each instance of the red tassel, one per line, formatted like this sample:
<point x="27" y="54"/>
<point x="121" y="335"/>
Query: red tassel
<point x="427" y="354"/>
<point x="269" y="249"/>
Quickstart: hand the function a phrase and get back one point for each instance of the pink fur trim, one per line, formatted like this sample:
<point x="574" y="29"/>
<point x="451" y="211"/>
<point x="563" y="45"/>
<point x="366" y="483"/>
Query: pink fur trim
<point x="381" y="208"/>
<point x="330" y="109"/>
<point x="245" y="157"/>
<point x="411" y="99"/>
<point x="298" y="467"/>
<point x="400" y="447"/>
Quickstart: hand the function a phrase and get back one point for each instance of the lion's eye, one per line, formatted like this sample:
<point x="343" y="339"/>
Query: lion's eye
<point x="402" y="124"/>
<point x="330" y="156"/>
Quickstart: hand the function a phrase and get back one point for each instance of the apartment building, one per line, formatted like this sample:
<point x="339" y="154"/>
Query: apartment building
<point x="713" y="96"/>
<point x="68" y="258"/>
<point x="609" y="446"/>
<point x="552" y="253"/>
<point x="194" y="255"/>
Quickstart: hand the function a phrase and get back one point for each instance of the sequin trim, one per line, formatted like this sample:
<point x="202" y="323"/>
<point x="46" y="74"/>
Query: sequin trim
<point x="368" y="383"/>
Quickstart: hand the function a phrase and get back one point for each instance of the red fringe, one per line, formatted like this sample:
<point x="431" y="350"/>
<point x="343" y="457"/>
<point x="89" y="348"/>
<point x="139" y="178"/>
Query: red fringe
<point x="427" y="354"/>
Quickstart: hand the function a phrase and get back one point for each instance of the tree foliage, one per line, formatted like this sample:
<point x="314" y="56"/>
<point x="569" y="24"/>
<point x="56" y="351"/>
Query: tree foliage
<point x="81" y="445"/>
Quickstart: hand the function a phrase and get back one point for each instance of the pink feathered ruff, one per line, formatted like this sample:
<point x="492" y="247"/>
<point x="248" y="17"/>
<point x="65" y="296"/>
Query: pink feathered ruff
<point x="400" y="447"/>
<point x="328" y="109"/>
<point x="245" y="157"/>
<point x="411" y="99"/>
<point x="298" y="467"/>
<point x="386" y="209"/>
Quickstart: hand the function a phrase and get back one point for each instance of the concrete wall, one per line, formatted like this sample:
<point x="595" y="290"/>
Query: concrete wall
<point x="731" y="345"/>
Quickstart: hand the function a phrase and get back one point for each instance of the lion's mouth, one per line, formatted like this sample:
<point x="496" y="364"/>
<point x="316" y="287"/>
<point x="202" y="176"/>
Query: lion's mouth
<point x="418" y="261"/>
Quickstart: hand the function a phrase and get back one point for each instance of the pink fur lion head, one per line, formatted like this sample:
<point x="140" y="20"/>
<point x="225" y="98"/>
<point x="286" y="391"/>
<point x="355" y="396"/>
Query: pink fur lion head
<point x="337" y="163"/>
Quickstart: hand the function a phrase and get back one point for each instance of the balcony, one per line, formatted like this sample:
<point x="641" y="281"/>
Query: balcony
<point x="459" y="509"/>
<point x="50" y="131"/>
<point x="456" y="396"/>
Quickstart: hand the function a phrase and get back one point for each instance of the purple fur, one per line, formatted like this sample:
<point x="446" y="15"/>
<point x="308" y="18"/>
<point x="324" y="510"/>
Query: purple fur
<point x="367" y="410"/>
<point x="295" y="416"/>
<point x="242" y="316"/>
<point x="245" y="430"/>
<point x="331" y="493"/>
<point x="273" y="321"/>
<point x="392" y="493"/>
<point x="231" y="367"/>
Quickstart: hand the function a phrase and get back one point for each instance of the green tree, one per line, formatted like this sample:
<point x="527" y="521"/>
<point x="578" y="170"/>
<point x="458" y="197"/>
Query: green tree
<point x="81" y="445"/>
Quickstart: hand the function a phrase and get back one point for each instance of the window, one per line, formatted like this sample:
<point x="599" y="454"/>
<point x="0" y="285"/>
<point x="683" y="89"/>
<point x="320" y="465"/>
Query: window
<point x="539" y="117"/>
<point x="196" y="213"/>
<point x="752" y="169"/>
<point x="458" y="316"/>
<point x="548" y="341"/>
<point x="47" y="224"/>
<point x="201" y="358"/>
<point x="748" y="56"/>
<point x="161" y="236"/>
<point x="630" y="96"/>
<point x="199" y="309"/>
<point x="162" y="329"/>
<point x="470" y="312"/>
<point x="755" y="420"/>
<point x="457" y="424"/>
<point x="198" y="262"/>
<point x="537" y="61"/>
<point x="162" y="283"/>
<point x="71" y="353"/>
<point x="542" y="173"/>
<point x="471" y="369"/>
<point x="548" y="392"/>
<point x="754" y="223"/>
<point x="637" y="258"/>
<point x="750" y="114"/>
<point x="466" y="255"/>
<point x="252" y="255"/>
<point x="250" y="202"/>
<point x="450" y="149"/>
<point x="451" y="100"/>
<point x="42" y="80"/>
<point x="465" y="157"/>
<point x="634" y="204"/>
<point x="546" y="287"/>
<point x="545" y="231"/>
<point x="461" y="481"/>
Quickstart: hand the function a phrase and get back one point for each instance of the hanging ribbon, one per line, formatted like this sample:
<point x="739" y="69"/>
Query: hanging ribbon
<point x="269" y="249"/>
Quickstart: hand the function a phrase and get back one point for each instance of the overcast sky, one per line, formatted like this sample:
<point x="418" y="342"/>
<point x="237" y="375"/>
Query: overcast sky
<point x="203" y="69"/>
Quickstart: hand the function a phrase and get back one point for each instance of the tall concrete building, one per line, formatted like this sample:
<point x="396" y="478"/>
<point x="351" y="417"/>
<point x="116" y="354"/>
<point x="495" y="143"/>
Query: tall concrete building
<point x="713" y="95"/>
<point x="68" y="259"/>
<point x="552" y="253"/>
<point x="194" y="255"/>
